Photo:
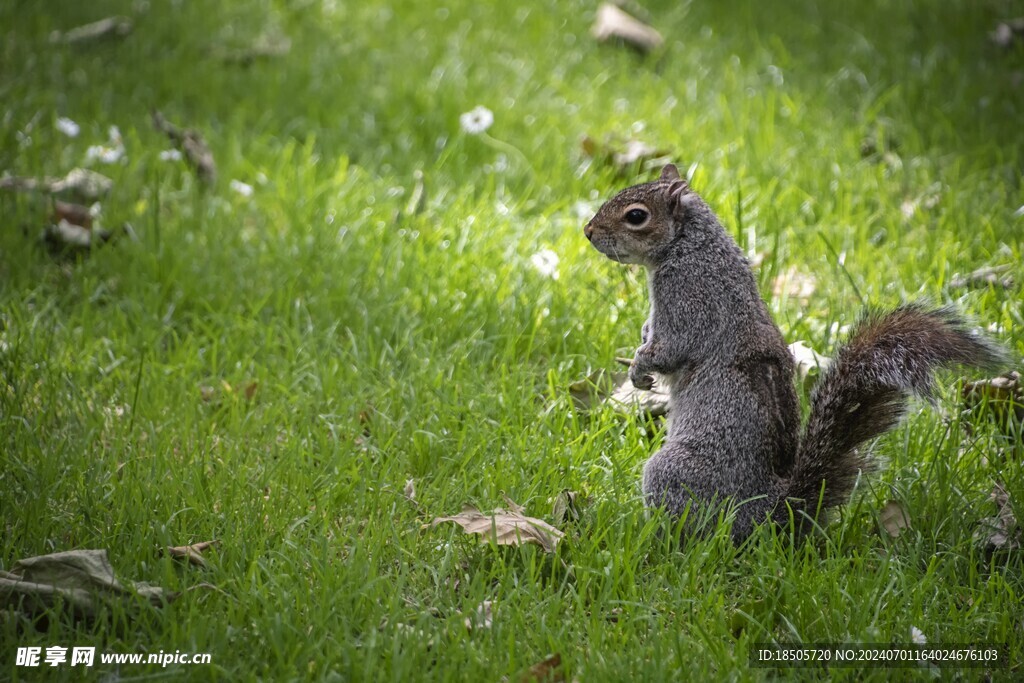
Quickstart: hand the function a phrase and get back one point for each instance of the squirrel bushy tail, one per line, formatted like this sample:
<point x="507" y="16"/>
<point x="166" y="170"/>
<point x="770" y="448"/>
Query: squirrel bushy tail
<point x="864" y="392"/>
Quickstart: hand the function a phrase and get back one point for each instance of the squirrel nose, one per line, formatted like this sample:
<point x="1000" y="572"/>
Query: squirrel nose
<point x="588" y="230"/>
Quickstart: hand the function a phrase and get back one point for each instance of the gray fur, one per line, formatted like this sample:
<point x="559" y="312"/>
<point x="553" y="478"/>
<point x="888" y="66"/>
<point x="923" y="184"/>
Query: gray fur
<point x="734" y="430"/>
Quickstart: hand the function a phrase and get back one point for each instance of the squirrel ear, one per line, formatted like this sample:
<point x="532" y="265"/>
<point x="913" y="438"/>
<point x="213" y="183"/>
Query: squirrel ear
<point x="669" y="172"/>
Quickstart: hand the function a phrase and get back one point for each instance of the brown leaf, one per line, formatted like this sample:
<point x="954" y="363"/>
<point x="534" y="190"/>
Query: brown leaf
<point x="191" y="144"/>
<point x="1002" y="397"/>
<point x="76" y="214"/>
<point x="80" y="183"/>
<point x="1002" y="531"/>
<point x="104" y="28"/>
<point x="894" y="518"/>
<point x="504" y="527"/>
<point x="566" y="507"/>
<point x="548" y="669"/>
<point x="250" y="390"/>
<point x="627" y="157"/>
<point x="989" y="276"/>
<point x="193" y="553"/>
<point x="629" y="400"/>
<point x="80" y="581"/>
<point x="594" y="388"/>
<point x="612" y="23"/>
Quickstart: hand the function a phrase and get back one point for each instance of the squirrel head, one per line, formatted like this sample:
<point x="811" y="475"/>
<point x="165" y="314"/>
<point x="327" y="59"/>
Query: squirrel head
<point x="638" y="223"/>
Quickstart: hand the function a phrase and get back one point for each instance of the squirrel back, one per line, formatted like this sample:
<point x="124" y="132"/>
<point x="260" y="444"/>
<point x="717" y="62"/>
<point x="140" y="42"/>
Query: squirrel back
<point x="734" y="421"/>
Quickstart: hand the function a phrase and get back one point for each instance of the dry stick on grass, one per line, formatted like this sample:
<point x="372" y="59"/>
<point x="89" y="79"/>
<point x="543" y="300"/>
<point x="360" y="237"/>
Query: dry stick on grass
<point x="191" y="144"/>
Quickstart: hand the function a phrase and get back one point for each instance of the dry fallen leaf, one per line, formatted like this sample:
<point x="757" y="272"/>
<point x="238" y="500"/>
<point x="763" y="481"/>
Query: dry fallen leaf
<point x="410" y="489"/>
<point x="104" y="28"/>
<point x="193" y="553"/>
<point x="612" y="23"/>
<point x="894" y="518"/>
<point x="191" y="144"/>
<point x="548" y="669"/>
<point x="614" y="389"/>
<point x="504" y="527"/>
<point x="627" y="158"/>
<point x="1002" y="397"/>
<point x="566" y="507"/>
<point x="629" y="400"/>
<point x="79" y="183"/>
<point x="989" y="276"/>
<point x="80" y="581"/>
<point x="1002" y="531"/>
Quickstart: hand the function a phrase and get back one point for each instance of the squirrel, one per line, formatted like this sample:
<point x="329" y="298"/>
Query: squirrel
<point x="734" y="429"/>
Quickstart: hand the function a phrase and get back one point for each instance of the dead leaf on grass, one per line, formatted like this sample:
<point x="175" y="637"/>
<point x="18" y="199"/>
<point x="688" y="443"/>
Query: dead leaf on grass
<point x="989" y="276"/>
<point x="193" y="553"/>
<point x="627" y="158"/>
<point x="592" y="390"/>
<point x="81" y="581"/>
<point x="504" y="527"/>
<point x="548" y="669"/>
<point x="1003" y="399"/>
<point x="79" y="183"/>
<point x="1001" y="532"/>
<point x="566" y="507"/>
<point x="615" y="389"/>
<point x="410" y="489"/>
<point x="191" y="144"/>
<point x="614" y="24"/>
<point x="110" y="27"/>
<point x="894" y="518"/>
<point x="629" y="400"/>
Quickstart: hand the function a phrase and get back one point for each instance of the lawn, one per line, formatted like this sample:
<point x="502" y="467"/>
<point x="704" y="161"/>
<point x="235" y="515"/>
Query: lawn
<point x="357" y="327"/>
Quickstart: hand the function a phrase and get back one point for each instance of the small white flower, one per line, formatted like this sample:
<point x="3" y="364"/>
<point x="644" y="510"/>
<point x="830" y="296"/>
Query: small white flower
<point x="545" y="262"/>
<point x="916" y="636"/>
<point x="476" y="121"/>
<point x="241" y="188"/>
<point x="103" y="154"/>
<point x="170" y="155"/>
<point x="108" y="154"/>
<point x="68" y="127"/>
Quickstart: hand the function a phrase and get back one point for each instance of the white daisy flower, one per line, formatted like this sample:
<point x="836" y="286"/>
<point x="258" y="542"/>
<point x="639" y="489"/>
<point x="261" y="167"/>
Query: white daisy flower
<point x="68" y="127"/>
<point x="170" y="155"/>
<point x="476" y="121"/>
<point x="108" y="154"/>
<point x="241" y="188"/>
<point x="104" y="154"/>
<point x="545" y="262"/>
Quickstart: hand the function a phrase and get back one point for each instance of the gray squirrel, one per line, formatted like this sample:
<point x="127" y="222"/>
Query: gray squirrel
<point x="734" y="433"/>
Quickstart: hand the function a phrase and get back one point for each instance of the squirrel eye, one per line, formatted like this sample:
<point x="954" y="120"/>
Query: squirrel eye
<point x="636" y="216"/>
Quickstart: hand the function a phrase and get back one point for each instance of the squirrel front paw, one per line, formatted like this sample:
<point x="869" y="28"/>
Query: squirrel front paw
<point x="641" y="379"/>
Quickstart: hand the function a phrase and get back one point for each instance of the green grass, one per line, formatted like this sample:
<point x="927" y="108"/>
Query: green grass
<point x="388" y="345"/>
